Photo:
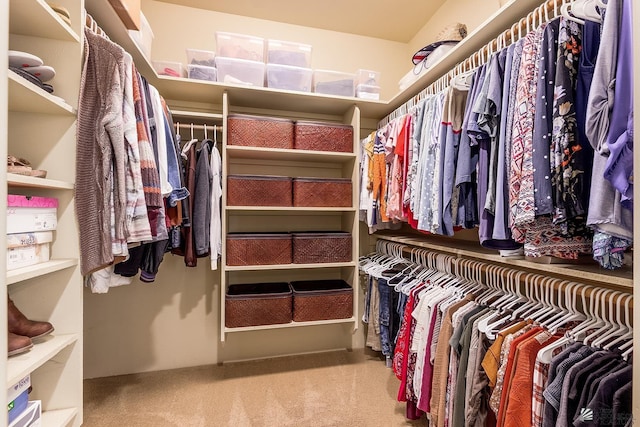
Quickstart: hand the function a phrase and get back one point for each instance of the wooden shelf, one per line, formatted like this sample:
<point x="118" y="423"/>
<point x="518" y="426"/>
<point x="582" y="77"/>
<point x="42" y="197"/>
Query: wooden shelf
<point x="195" y="115"/>
<point x="291" y="209"/>
<point x="25" y="273"/>
<point x="58" y="417"/>
<point x="591" y="273"/>
<point x="15" y="180"/>
<point x="258" y="153"/>
<point x="292" y="325"/>
<point x="42" y="351"/>
<point x="29" y="98"/>
<point x="288" y="266"/>
<point x="35" y="18"/>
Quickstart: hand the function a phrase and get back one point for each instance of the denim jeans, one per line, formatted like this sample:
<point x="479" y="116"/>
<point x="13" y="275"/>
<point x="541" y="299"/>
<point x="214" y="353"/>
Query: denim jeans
<point x="389" y="319"/>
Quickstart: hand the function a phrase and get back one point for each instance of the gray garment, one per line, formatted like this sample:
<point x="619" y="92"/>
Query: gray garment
<point x="501" y="230"/>
<point x="543" y="120"/>
<point x="602" y="91"/>
<point x="553" y="391"/>
<point x="201" y="220"/>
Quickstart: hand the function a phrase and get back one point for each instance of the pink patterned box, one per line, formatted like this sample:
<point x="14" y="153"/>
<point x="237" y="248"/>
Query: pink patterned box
<point x="31" y="213"/>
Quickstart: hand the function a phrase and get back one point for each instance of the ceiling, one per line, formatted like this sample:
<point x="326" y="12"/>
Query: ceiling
<point x="402" y="19"/>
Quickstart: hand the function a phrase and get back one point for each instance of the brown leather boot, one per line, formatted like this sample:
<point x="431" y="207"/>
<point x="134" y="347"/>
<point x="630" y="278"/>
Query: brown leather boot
<point x="19" y="344"/>
<point x="20" y="325"/>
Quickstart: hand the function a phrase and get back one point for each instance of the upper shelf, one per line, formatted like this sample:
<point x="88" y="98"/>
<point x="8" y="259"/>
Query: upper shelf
<point x="591" y="273"/>
<point x="15" y="180"/>
<point x="180" y="89"/>
<point x="26" y="97"/>
<point x="35" y="18"/>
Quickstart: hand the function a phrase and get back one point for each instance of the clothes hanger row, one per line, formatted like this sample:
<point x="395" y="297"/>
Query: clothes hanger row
<point x="92" y="25"/>
<point x="603" y="315"/>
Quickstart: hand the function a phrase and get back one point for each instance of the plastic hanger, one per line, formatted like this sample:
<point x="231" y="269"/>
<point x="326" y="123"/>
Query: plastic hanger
<point x="619" y="328"/>
<point x="628" y="334"/>
<point x="565" y="11"/>
<point x="607" y="327"/>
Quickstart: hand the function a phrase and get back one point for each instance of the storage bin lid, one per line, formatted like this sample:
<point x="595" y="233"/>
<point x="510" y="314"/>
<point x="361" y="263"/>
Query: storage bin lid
<point x="315" y="234"/>
<point x="326" y="124"/>
<point x="259" y="290"/>
<point x="251" y="117"/>
<point x="327" y="180"/>
<point x="261" y="177"/>
<point x="258" y="236"/>
<point x="320" y="287"/>
<point x="19" y="201"/>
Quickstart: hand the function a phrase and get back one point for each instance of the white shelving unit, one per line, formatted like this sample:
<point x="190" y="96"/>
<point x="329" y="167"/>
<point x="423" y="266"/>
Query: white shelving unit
<point x="270" y="161"/>
<point x="41" y="128"/>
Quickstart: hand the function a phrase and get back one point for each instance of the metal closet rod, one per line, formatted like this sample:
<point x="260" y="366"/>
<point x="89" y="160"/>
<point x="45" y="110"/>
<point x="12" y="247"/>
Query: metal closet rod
<point x="190" y="126"/>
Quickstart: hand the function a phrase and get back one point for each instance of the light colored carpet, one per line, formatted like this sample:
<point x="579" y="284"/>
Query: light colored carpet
<point x="328" y="389"/>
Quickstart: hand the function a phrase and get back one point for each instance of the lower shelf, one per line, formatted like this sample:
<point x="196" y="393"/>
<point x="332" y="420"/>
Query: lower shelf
<point x="20" y="274"/>
<point x="288" y="266"/>
<point x="58" y="417"/>
<point x="293" y="325"/>
<point x="44" y="350"/>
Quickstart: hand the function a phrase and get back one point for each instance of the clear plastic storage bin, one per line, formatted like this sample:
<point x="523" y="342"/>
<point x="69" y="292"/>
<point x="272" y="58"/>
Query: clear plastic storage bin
<point x="239" y="46"/>
<point x="240" y="71"/>
<point x="368" y="92"/>
<point x="168" y="68"/>
<point x="368" y="77"/>
<point x="334" y="83"/>
<point x="289" y="78"/>
<point x="201" y="72"/>
<point x="144" y="37"/>
<point x="201" y="57"/>
<point x="288" y="53"/>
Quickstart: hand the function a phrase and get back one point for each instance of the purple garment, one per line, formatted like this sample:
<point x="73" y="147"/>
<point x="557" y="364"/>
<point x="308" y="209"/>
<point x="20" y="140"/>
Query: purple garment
<point x="619" y="167"/>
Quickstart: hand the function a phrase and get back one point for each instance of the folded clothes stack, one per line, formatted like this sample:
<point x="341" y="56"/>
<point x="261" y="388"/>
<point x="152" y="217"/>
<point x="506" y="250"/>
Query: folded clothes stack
<point x="31" y="68"/>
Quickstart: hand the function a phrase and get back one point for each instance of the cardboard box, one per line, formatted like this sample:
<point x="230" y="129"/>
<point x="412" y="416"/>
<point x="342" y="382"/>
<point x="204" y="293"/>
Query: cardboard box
<point x="31" y="213"/>
<point x="18" y="405"/>
<point x="18" y="388"/>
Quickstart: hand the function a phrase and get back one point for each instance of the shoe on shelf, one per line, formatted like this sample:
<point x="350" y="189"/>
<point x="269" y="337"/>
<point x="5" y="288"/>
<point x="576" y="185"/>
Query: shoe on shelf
<point x="21" y="166"/>
<point x="18" y="344"/>
<point x="20" y="325"/>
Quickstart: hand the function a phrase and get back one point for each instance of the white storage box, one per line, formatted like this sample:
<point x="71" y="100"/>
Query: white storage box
<point x="288" y="53"/>
<point x="240" y="71"/>
<point x="168" y="68"/>
<point x="289" y="78"/>
<point x="25" y="249"/>
<point x="31" y="213"/>
<point x="368" y="92"/>
<point x="31" y="417"/>
<point x="334" y="83"/>
<point x="18" y="388"/>
<point x="17" y="398"/>
<point x="239" y="46"/>
<point x="201" y="57"/>
<point x="368" y="77"/>
<point x="144" y="37"/>
<point x="201" y="72"/>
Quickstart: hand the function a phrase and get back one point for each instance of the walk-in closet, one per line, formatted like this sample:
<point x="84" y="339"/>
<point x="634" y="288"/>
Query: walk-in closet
<point x="335" y="214"/>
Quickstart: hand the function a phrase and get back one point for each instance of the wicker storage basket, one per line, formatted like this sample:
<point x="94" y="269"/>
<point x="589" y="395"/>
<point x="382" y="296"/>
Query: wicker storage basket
<point x="327" y="192"/>
<point x="323" y="137"/>
<point x="258" y="190"/>
<point x="321" y="247"/>
<point x="321" y="300"/>
<point x="258" y="248"/>
<point x="256" y="304"/>
<point x="258" y="131"/>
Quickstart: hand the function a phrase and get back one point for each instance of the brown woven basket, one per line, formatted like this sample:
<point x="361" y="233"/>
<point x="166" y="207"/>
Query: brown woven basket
<point x="258" y="248"/>
<point x="258" y="190"/>
<point x="312" y="248"/>
<point x="323" y="137"/>
<point x="256" y="304"/>
<point x="326" y="192"/>
<point x="259" y="131"/>
<point x="321" y="300"/>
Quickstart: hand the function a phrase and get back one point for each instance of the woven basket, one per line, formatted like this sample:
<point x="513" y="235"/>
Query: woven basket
<point x="255" y="190"/>
<point x="312" y="248"/>
<point x="258" y="131"/>
<point x="258" y="304"/>
<point x="321" y="300"/>
<point x="323" y="137"/>
<point x="334" y="192"/>
<point x="258" y="249"/>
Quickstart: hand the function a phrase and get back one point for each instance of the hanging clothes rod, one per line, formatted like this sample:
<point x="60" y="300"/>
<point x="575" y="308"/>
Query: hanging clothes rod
<point x="546" y="12"/>
<point x="190" y="126"/>
<point x="91" y="24"/>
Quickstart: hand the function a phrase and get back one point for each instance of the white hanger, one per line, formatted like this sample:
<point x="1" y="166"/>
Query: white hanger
<point x="565" y="10"/>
